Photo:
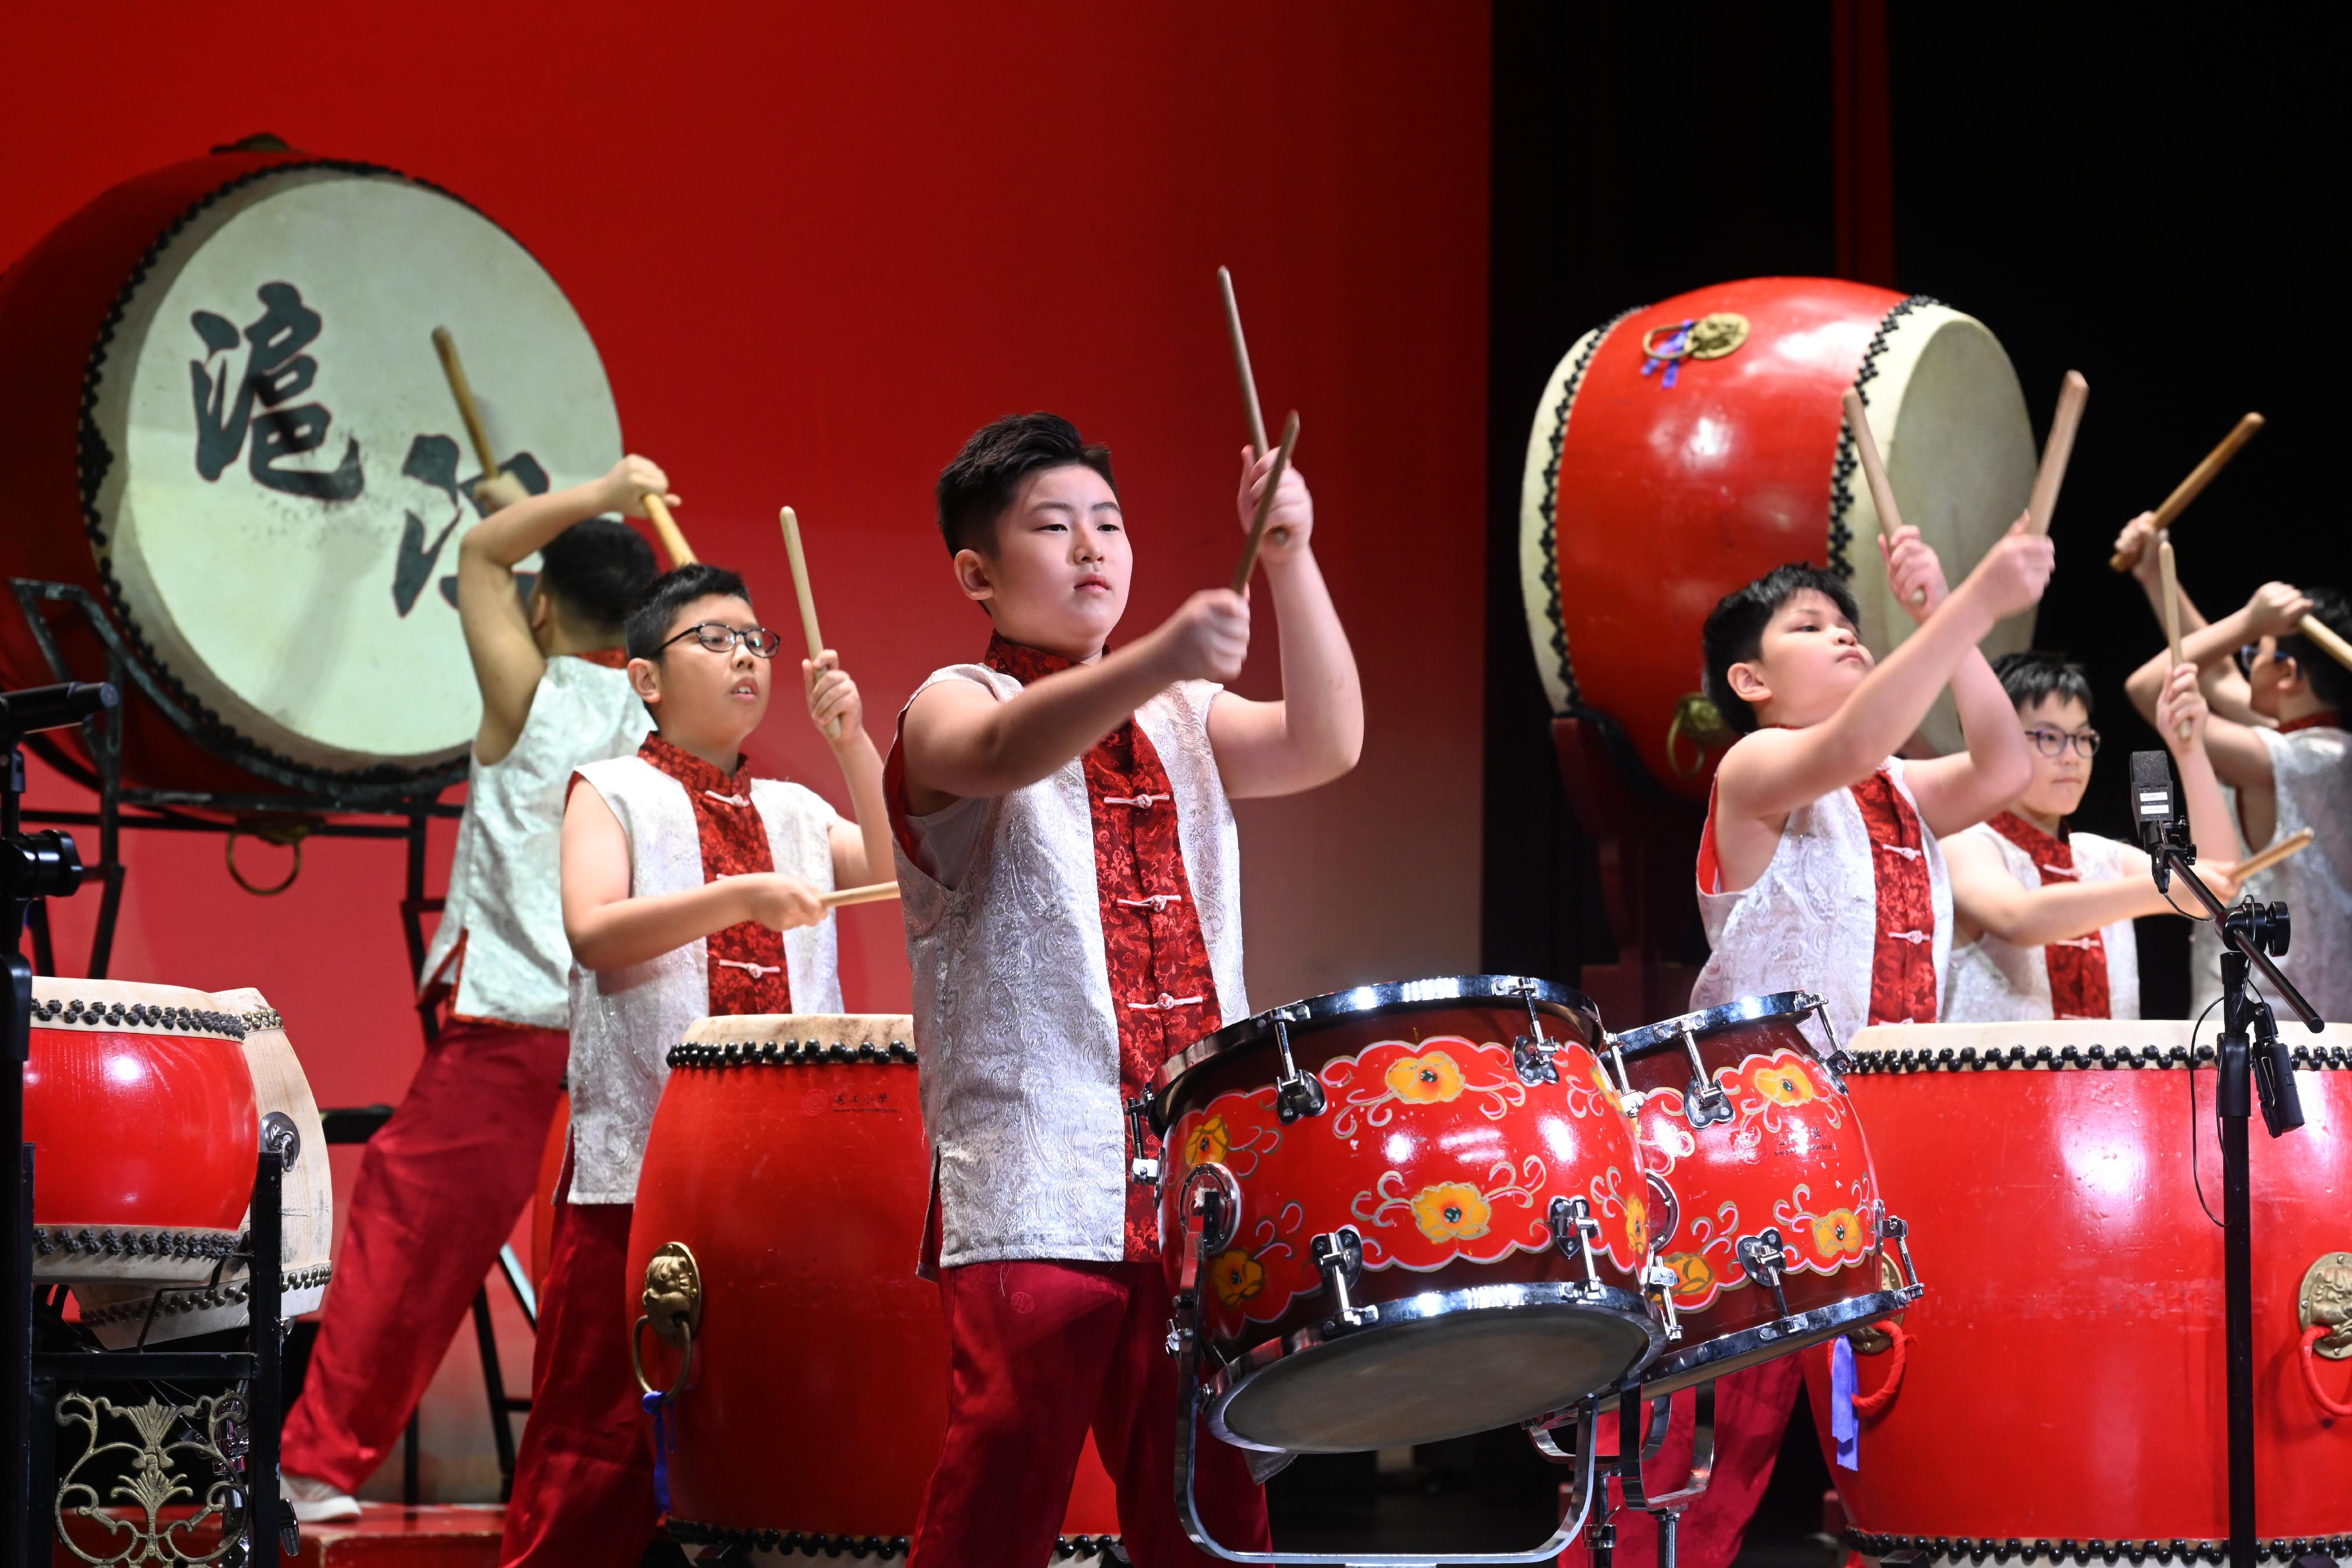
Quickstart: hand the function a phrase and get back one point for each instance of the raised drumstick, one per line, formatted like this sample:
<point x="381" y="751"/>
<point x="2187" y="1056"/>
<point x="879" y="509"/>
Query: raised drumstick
<point x="2073" y="393"/>
<point x="2190" y="488"/>
<point x="1873" y="470"/>
<point x="872" y="892"/>
<point x="2171" y="614"/>
<point x="673" y="542"/>
<point x="2329" y="644"/>
<point x="1242" y="363"/>
<point x="808" y="604"/>
<point x="463" y="391"/>
<point x="2254" y="865"/>
<point x="1265" y="502"/>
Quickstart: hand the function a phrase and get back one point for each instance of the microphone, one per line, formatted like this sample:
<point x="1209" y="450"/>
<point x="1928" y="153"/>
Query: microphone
<point x="2153" y="811"/>
<point x="37" y="709"/>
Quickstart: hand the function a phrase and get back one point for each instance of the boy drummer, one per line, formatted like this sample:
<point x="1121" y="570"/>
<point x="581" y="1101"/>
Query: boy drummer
<point x="441" y="1182"/>
<point x="1068" y="867"/>
<point x="689" y="888"/>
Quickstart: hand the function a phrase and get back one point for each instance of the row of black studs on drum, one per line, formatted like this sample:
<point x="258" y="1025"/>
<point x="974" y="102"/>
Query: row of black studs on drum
<point x="687" y="1532"/>
<point x="73" y="1010"/>
<point x="1968" y="1058"/>
<point x="134" y="1243"/>
<point x="234" y="1293"/>
<point x="1976" y="1550"/>
<point x="763" y="1053"/>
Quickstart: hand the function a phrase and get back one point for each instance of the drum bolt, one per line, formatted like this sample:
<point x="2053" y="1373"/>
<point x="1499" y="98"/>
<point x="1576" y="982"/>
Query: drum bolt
<point x="1703" y="1101"/>
<point x="1762" y="1255"/>
<point x="1573" y="1230"/>
<point x="1295" y="1093"/>
<point x="1659" y="1280"/>
<point x="1339" y="1255"/>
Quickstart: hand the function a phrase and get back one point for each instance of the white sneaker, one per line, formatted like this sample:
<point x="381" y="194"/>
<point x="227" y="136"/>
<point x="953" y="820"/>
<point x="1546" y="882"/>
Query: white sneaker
<point x="315" y="1501"/>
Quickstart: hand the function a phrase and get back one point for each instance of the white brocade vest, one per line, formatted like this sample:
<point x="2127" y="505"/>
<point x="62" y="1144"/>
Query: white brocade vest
<point x="2311" y="770"/>
<point x="1013" y="1019"/>
<point x="503" y="900"/>
<point x="623" y="1022"/>
<point x="1994" y="981"/>
<point x="1811" y="922"/>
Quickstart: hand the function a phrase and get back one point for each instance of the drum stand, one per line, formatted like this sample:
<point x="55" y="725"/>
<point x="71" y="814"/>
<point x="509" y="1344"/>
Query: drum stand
<point x="1666" y="1508"/>
<point x="2250" y="1058"/>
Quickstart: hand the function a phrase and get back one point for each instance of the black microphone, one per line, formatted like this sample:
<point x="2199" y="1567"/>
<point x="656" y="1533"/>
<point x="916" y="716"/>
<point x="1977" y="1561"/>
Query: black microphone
<point x="2152" y="808"/>
<point x="37" y="709"/>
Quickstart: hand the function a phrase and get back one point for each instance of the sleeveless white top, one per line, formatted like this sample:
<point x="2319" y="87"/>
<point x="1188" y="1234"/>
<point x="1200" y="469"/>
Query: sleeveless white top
<point x="2311" y="770"/>
<point x="1811" y="922"/>
<point x="1994" y="981"/>
<point x="503" y="900"/>
<point x="1013" y="1009"/>
<point x="625" y="1020"/>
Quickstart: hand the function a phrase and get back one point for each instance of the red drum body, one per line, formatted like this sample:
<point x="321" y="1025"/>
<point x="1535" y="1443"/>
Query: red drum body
<point x="2062" y="1384"/>
<point x="1401" y="1173"/>
<point x="1706" y="434"/>
<point x="783" y="1196"/>
<point x="232" y="439"/>
<point x="142" y="1108"/>
<point x="1763" y="1201"/>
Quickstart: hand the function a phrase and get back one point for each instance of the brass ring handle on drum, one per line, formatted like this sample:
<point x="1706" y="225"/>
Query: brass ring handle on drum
<point x="637" y="1359"/>
<point x="673" y="1304"/>
<point x="271" y="831"/>
<point x="1700" y="722"/>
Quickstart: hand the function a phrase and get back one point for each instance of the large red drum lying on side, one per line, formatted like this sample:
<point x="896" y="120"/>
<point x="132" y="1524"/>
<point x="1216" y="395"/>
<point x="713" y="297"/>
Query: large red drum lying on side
<point x="2062" y="1383"/>
<point x="141" y="1108"/>
<point x="1647" y="497"/>
<point x="786" y="1178"/>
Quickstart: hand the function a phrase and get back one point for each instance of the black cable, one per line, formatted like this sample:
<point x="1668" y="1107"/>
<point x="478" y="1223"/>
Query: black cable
<point x="2194" y="1180"/>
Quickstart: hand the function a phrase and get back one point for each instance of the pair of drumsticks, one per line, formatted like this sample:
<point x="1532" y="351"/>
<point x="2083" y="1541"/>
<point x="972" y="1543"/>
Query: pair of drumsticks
<point x="680" y="554"/>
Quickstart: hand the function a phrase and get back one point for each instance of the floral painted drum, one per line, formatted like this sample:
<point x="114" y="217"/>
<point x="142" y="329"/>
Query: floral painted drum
<point x="1762" y="1198"/>
<point x="1402" y="1213"/>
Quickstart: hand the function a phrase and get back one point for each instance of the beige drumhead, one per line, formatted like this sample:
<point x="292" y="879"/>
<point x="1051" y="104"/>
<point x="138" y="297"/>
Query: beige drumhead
<point x="118" y="1313"/>
<point x="283" y="474"/>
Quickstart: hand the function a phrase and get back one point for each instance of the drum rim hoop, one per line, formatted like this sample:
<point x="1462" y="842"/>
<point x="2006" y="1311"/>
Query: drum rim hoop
<point x="695" y="1533"/>
<point x="1548" y="996"/>
<point x="1665" y="1032"/>
<point x="1225" y="1383"/>
<point x="186" y="712"/>
<point x="1691" y="1367"/>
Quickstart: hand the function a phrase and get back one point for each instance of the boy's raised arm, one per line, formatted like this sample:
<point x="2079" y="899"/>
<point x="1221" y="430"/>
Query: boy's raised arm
<point x="1315" y="732"/>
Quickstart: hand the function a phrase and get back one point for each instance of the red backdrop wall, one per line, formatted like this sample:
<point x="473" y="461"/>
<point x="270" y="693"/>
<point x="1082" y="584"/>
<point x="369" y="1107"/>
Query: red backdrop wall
<point x="817" y="246"/>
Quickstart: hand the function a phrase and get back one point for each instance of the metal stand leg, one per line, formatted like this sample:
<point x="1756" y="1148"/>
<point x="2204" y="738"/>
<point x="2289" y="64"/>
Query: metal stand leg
<point x="494" y="1388"/>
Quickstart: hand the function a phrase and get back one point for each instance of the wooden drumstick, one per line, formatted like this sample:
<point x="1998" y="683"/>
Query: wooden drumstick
<point x="1265" y="502"/>
<point x="1873" y="470"/>
<point x="2073" y="393"/>
<point x="2190" y="488"/>
<point x="463" y="391"/>
<point x="808" y="603"/>
<point x="872" y="892"/>
<point x="2254" y="865"/>
<point x="2171" y="615"/>
<point x="1242" y="364"/>
<point x="2328" y="643"/>
<point x="673" y="542"/>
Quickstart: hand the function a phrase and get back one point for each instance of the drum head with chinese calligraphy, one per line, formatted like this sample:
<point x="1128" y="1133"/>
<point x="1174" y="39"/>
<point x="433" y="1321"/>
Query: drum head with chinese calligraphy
<point x="274" y="473"/>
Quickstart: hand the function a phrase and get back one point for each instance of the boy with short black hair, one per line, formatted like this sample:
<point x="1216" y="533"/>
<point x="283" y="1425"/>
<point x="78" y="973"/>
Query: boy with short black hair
<point x="689" y="889"/>
<point x="2044" y="916"/>
<point x="440" y="1184"/>
<point x="1068" y="868"/>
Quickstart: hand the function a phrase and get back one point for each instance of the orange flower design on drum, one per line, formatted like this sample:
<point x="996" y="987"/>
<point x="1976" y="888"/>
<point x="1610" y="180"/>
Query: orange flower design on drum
<point x="1840" y="1233"/>
<point x="1430" y="1079"/>
<point x="1783" y="1083"/>
<point x="1452" y="1211"/>
<point x="1207" y="1141"/>
<point x="1637" y="1225"/>
<point x="1694" y="1276"/>
<point x="1236" y="1277"/>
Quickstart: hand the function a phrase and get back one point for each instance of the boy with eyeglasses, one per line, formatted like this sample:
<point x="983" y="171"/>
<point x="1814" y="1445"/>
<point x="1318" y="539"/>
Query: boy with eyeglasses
<point x="2043" y="915"/>
<point x="689" y="889"/>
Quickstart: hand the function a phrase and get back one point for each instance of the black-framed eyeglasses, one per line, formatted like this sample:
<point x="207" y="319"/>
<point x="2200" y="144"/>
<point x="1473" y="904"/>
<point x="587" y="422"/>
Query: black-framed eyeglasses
<point x="2054" y="742"/>
<point x="720" y="637"/>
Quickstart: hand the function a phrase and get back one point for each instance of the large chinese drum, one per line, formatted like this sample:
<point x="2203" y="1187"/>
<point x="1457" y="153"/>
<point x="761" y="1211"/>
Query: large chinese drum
<point x="1763" y="1202"/>
<point x="1686" y="448"/>
<point x="228" y="426"/>
<point x="141" y="1111"/>
<point x="779" y="1208"/>
<point x="1430" y="1216"/>
<point x="122" y="1315"/>
<point x="2061" y="1388"/>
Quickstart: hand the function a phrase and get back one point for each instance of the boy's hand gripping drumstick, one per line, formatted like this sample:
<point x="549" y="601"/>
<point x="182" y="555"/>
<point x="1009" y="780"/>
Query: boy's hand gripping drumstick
<point x="1265" y="502"/>
<point x="808" y="606"/>
<point x="2190" y="488"/>
<point x="2171" y="614"/>
<point x="2255" y="863"/>
<point x="1882" y="493"/>
<point x="463" y="391"/>
<point x="872" y="892"/>
<point x="2073" y="393"/>
<point x="674" y="543"/>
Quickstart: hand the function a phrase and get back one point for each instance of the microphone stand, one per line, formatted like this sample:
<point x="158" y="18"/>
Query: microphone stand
<point x="2250" y="1060"/>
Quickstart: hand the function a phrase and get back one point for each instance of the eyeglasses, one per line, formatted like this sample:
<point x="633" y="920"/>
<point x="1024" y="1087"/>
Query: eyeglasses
<point x="722" y="639"/>
<point x="2054" y="742"/>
